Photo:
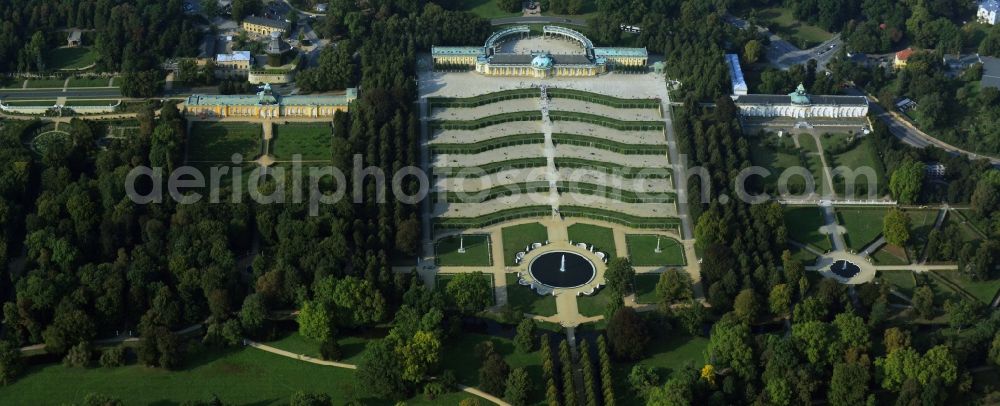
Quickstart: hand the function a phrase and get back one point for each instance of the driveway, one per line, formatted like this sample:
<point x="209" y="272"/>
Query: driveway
<point x="783" y="54"/>
<point x="539" y="20"/>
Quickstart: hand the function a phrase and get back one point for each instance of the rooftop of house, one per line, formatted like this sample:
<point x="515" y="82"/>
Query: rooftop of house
<point x="905" y="54"/>
<point x="267" y="22"/>
<point x="236" y="56"/>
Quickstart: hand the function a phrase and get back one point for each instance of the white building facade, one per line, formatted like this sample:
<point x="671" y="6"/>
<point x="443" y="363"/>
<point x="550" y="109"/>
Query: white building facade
<point x="798" y="104"/>
<point x="987" y="12"/>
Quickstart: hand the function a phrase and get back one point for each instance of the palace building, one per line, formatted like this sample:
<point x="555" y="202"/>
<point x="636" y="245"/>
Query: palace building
<point x="799" y="104"/>
<point x="497" y="58"/>
<point x="263" y="26"/>
<point x="267" y="104"/>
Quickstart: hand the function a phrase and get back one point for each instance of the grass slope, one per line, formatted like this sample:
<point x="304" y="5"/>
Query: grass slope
<point x="863" y="225"/>
<point x="477" y="251"/>
<point x="219" y="141"/>
<point x="803" y="224"/>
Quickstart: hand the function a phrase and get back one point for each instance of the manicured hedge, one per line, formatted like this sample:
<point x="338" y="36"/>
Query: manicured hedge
<point x="626" y="172"/>
<point x="486" y="220"/>
<point x="608" y="145"/>
<point x="486" y="145"/>
<point x="490" y="168"/>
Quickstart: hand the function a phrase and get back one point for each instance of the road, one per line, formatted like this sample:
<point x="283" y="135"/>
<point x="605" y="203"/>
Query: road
<point x="911" y="135"/>
<point x="783" y="54"/>
<point x="539" y="20"/>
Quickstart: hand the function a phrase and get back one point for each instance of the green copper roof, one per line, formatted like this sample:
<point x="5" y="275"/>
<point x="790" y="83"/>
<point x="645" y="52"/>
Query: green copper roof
<point x="799" y="96"/>
<point x="456" y="50"/>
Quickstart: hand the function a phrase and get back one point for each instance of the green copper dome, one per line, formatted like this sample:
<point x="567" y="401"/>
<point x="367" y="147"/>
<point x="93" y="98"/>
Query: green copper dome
<point x="543" y="61"/>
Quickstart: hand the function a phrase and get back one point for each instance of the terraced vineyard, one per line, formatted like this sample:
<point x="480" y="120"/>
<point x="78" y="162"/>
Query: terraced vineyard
<point x="502" y="156"/>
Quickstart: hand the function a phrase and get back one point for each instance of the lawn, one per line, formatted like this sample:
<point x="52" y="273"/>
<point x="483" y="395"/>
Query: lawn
<point x="985" y="291"/>
<point x="921" y="225"/>
<point x="515" y="238"/>
<point x="803" y="224"/>
<point x="863" y="225"/>
<point x="862" y="157"/>
<point x="890" y="255"/>
<point x="477" y="250"/>
<point x="777" y="155"/>
<point x="30" y="103"/>
<point x="591" y="306"/>
<point x="780" y="21"/>
<point x="461" y="358"/>
<point x="46" y="83"/>
<point x="642" y="251"/>
<point x="645" y="288"/>
<point x="441" y="283"/>
<point x="602" y="238"/>
<point x="666" y="356"/>
<point x="70" y="58"/>
<point x="942" y="290"/>
<point x="219" y="141"/>
<point x="312" y="141"/>
<point x="902" y="281"/>
<point x="88" y="82"/>
<point x="523" y="299"/>
<point x="804" y="256"/>
<point x="236" y="376"/>
<point x="485" y="9"/>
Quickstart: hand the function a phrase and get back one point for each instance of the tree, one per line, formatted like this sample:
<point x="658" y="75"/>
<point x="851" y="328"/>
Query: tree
<point x="210" y="8"/>
<point x="316" y="321"/>
<point x="470" y="292"/>
<point x="78" y="356"/>
<point x="419" y="355"/>
<point x="745" y="306"/>
<point x="253" y="314"/>
<point x="243" y="8"/>
<point x="894" y="339"/>
<point x="69" y="327"/>
<point x="330" y="350"/>
<point x="642" y="378"/>
<point x="627" y="334"/>
<point x="815" y="339"/>
<point x="510" y="6"/>
<point x="673" y="286"/>
<point x="525" y="340"/>
<point x="752" y="51"/>
<point x="301" y="398"/>
<point x="923" y="301"/>
<point x="780" y="300"/>
<point x="381" y="370"/>
<point x="986" y="196"/>
<point x="113" y="357"/>
<point x="906" y="181"/>
<point x="493" y="374"/>
<point x="729" y="345"/>
<point x="141" y="84"/>
<point x="896" y="227"/>
<point x="619" y="276"/>
<point x="962" y="313"/>
<point x="848" y="385"/>
<point x="518" y="386"/>
<point x="10" y="362"/>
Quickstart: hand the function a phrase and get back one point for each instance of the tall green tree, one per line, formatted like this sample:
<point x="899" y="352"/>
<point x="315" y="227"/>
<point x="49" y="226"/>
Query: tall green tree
<point x="906" y="181"/>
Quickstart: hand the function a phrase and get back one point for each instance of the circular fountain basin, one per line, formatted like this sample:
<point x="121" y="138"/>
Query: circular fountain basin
<point x="845" y="269"/>
<point x="562" y="269"/>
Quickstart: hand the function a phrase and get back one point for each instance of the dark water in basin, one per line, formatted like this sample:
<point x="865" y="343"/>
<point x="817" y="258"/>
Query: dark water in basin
<point x="845" y="268"/>
<point x="545" y="269"/>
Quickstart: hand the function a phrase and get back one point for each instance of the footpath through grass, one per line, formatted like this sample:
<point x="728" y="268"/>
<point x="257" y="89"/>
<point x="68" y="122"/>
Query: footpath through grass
<point x="902" y="281"/>
<point x="642" y="251"/>
<point x="984" y="291"/>
<point x="863" y="225"/>
<point x="602" y="238"/>
<point x="70" y="58"/>
<point x="461" y="358"/>
<point x="803" y="224"/>
<point x="477" y="250"/>
<point x="312" y="141"/>
<point x="219" y="141"/>
<point x="516" y="238"/>
<point x="236" y="376"/>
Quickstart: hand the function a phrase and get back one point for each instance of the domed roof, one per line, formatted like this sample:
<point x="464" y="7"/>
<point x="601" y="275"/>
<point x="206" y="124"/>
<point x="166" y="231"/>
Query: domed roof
<point x="543" y="61"/>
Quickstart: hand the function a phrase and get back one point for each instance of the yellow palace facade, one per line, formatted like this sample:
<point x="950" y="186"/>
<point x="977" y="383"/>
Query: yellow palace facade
<point x="267" y="105"/>
<point x="489" y="60"/>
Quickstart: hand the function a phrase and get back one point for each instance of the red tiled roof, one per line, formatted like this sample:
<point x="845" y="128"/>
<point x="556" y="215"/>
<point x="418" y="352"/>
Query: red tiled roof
<point x="904" y="54"/>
